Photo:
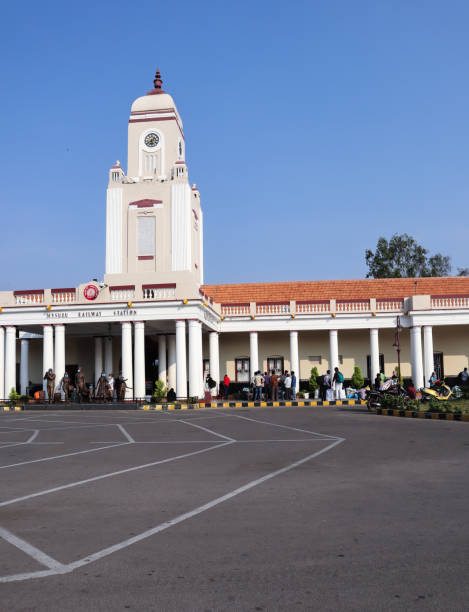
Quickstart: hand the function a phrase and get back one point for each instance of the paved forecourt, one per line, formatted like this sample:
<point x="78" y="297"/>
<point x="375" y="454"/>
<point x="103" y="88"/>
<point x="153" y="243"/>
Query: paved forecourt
<point x="228" y="509"/>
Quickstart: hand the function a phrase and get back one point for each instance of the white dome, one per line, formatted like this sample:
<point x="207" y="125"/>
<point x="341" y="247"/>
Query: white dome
<point x="152" y="102"/>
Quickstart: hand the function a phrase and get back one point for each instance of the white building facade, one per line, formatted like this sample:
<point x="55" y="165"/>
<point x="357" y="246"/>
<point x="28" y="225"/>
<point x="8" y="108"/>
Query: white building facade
<point x="152" y="316"/>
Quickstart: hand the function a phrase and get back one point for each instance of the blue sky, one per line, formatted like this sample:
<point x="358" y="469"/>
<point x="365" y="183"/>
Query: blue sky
<point x="312" y="128"/>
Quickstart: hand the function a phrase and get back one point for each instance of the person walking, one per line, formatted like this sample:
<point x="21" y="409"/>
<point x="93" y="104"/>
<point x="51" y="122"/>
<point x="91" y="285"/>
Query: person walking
<point x="274" y="386"/>
<point x="258" y="385"/>
<point x="338" y="381"/>
<point x="293" y="385"/>
<point x="287" y="383"/>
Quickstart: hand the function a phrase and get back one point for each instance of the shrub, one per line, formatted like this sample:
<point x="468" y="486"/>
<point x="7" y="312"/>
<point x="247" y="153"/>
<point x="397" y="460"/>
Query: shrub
<point x="313" y="380"/>
<point x="14" y="396"/>
<point x="160" y="390"/>
<point x="357" y="381"/>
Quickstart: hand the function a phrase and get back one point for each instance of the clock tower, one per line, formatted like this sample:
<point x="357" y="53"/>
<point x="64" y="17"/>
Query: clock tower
<point x="153" y="215"/>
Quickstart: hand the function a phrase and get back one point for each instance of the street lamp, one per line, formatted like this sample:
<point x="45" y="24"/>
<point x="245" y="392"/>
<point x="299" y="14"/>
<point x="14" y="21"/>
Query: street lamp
<point x="397" y="345"/>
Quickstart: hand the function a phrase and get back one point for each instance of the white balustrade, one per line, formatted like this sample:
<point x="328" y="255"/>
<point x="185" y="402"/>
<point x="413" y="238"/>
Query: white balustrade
<point x="64" y="297"/>
<point x="273" y="309"/>
<point x="389" y="305"/>
<point x="353" y="306"/>
<point x="159" y="293"/>
<point x="26" y="299"/>
<point x="233" y="310"/>
<point x="313" y="307"/>
<point x="122" y="295"/>
<point x="450" y="301"/>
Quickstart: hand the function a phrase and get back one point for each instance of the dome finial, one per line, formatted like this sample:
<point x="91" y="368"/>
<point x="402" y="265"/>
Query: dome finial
<point x="157" y="84"/>
<point x="158" y="81"/>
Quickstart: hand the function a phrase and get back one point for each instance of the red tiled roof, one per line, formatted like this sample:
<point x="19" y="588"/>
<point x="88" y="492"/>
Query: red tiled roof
<point x="338" y="289"/>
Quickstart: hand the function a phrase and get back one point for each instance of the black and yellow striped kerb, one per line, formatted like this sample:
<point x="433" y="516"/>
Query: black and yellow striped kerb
<point x="411" y="414"/>
<point x="288" y="403"/>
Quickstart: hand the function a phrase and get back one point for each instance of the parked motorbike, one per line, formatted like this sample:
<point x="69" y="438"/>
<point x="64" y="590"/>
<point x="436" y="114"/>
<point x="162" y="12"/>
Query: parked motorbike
<point x="438" y="391"/>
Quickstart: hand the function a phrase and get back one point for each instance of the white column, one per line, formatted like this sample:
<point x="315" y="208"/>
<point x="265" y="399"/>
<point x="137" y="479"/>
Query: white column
<point x="181" y="368"/>
<point x="416" y="356"/>
<point x="171" y="362"/>
<point x="162" y="359"/>
<point x="429" y="366"/>
<point x="10" y="360"/>
<point x="253" y="353"/>
<point x="294" y="357"/>
<point x="2" y="363"/>
<point x="374" y="354"/>
<point x="98" y="359"/>
<point x="195" y="359"/>
<point x="24" y="366"/>
<point x="333" y="350"/>
<point x="139" y="370"/>
<point x="108" y="354"/>
<point x="47" y="352"/>
<point x="214" y="357"/>
<point x="127" y="370"/>
<point x="59" y="360"/>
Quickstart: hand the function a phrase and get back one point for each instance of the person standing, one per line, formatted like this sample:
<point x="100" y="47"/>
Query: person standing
<point x="338" y="381"/>
<point x="110" y="387"/>
<point x="267" y="386"/>
<point x="293" y="385"/>
<point x="464" y="377"/>
<point x="326" y="384"/>
<point x="274" y="385"/>
<point x="259" y="385"/>
<point x="49" y="377"/>
<point x="226" y="382"/>
<point x="287" y="383"/>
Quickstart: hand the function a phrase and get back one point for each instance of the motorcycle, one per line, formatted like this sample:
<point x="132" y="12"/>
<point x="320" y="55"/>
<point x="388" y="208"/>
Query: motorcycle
<point x="390" y="387"/>
<point x="438" y="391"/>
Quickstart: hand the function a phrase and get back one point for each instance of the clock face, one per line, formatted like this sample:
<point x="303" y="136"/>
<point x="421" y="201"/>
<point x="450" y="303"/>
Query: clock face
<point x="151" y="140"/>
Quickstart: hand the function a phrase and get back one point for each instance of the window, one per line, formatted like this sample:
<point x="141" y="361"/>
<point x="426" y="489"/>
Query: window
<point x="180" y="149"/>
<point x="276" y="364"/>
<point x="368" y="365"/>
<point x="316" y="359"/>
<point x="438" y="365"/>
<point x="242" y="366"/>
<point x="206" y="367"/>
<point x="146" y="236"/>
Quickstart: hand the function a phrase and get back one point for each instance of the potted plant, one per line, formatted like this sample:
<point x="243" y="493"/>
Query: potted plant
<point x="160" y="391"/>
<point x="357" y="380"/>
<point x="313" y="383"/>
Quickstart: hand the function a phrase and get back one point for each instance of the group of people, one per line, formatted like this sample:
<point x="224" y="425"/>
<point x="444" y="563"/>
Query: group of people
<point x="274" y="386"/>
<point x="107" y="387"/>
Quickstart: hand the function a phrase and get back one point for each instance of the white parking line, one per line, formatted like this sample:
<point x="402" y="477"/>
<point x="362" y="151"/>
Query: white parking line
<point x="62" y="569"/>
<point x="78" y="483"/>
<point x="90" y="450"/>
<point x="207" y="430"/>
<point x="126" y="434"/>
<point x="30" y="550"/>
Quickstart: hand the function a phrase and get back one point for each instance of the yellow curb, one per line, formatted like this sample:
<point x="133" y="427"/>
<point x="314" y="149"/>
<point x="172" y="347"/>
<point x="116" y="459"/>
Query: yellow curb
<point x="326" y="403"/>
<point x="226" y="405"/>
<point x="263" y="403"/>
<point x="408" y="413"/>
<point x="421" y="415"/>
<point x="395" y="412"/>
<point x="18" y="408"/>
<point x="183" y="407"/>
<point x="287" y="403"/>
<point x="450" y="417"/>
<point x="238" y="405"/>
<point x="275" y="403"/>
<point x="6" y="408"/>
<point x="435" y="415"/>
<point x="301" y="403"/>
<point x="250" y="404"/>
<point x="158" y="408"/>
<point x="363" y="402"/>
<point x="338" y="402"/>
<point x="145" y="407"/>
<point x="312" y="404"/>
<point x="465" y="417"/>
<point x="171" y="407"/>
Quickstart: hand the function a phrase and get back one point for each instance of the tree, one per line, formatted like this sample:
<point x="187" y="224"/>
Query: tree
<point x="463" y="271"/>
<point x="403" y="257"/>
<point x="160" y="390"/>
<point x="357" y="380"/>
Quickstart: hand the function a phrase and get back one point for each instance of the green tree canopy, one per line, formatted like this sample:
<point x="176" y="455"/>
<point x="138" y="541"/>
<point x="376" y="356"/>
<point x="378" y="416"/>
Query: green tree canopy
<point x="403" y="257"/>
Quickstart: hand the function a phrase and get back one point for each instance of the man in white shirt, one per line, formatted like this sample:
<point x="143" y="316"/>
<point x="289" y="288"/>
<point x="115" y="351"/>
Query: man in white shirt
<point x="287" y="383"/>
<point x="110" y="387"/>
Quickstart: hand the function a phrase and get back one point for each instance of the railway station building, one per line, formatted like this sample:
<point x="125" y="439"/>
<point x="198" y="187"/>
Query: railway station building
<point x="152" y="315"/>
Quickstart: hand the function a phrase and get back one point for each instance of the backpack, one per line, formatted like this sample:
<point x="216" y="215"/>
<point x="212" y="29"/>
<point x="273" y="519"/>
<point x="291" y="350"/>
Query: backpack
<point x="212" y="383"/>
<point x="340" y="377"/>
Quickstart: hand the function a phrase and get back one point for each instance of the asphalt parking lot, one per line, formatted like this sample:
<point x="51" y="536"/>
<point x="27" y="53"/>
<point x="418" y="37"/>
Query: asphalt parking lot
<point x="233" y="509"/>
